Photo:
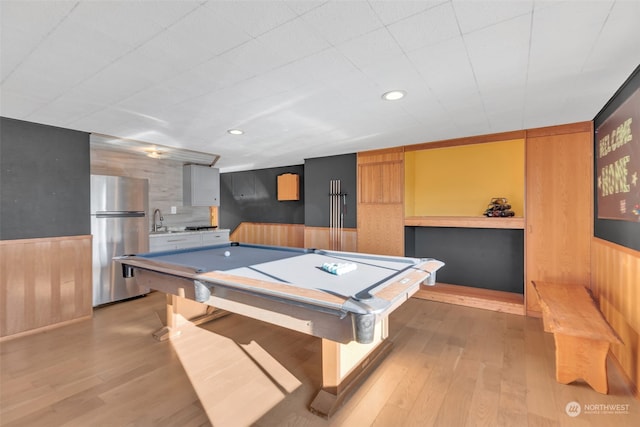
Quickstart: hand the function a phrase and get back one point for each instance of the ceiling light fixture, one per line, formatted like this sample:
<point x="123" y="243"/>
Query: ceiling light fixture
<point x="235" y="131"/>
<point x="155" y="154"/>
<point x="393" y="95"/>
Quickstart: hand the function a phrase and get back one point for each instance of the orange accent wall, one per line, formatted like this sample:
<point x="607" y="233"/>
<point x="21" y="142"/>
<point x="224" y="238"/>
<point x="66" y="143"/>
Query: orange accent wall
<point x="461" y="180"/>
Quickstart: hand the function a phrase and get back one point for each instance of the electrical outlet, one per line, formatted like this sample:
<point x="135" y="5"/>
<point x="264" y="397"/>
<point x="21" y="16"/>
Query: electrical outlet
<point x="174" y="210"/>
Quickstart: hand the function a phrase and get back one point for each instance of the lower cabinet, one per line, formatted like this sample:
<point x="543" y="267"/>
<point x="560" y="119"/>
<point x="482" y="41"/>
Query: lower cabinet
<point x="172" y="241"/>
<point x="211" y="238"/>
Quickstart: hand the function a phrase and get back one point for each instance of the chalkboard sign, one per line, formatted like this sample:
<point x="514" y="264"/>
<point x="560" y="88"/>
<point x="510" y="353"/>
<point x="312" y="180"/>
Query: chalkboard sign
<point x="617" y="166"/>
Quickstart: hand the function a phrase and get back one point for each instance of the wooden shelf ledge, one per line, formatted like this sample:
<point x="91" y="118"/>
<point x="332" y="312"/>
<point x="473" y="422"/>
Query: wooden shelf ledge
<point x="487" y="299"/>
<point x="465" y="222"/>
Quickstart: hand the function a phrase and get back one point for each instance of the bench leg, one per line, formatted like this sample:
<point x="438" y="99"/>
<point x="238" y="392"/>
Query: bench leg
<point x="582" y="358"/>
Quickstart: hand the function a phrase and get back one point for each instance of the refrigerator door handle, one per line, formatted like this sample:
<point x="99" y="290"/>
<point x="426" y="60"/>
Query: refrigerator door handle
<point x="120" y="214"/>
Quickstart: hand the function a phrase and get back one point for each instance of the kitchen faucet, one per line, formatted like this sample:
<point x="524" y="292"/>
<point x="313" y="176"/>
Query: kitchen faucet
<point x="155" y="224"/>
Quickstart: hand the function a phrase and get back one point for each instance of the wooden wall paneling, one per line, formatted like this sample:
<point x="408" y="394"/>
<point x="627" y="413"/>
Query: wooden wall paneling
<point x="615" y="277"/>
<point x="269" y="234"/>
<point x="45" y="282"/>
<point x="378" y="226"/>
<point x="380" y="219"/>
<point x="319" y="238"/>
<point x="559" y="205"/>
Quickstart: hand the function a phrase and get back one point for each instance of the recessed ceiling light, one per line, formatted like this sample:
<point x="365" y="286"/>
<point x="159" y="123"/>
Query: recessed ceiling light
<point x="393" y="95"/>
<point x="235" y="131"/>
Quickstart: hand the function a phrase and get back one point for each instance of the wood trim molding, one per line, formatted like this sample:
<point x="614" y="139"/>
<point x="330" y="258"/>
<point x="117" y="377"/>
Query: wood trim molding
<point x="41" y="239"/>
<point x="577" y="127"/>
<point x="465" y="222"/>
<point x="479" y="139"/>
<point x="486" y="299"/>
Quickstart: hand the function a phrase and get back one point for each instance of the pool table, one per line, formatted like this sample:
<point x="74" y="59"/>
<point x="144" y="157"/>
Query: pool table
<point x="293" y="288"/>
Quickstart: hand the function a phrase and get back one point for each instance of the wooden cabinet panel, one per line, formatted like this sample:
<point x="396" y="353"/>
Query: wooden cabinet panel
<point x="559" y="202"/>
<point x="381" y="182"/>
<point x="381" y="229"/>
<point x="288" y="186"/>
<point x="381" y="202"/>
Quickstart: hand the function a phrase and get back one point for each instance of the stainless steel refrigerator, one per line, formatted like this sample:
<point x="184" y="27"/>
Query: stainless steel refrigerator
<point x="119" y="226"/>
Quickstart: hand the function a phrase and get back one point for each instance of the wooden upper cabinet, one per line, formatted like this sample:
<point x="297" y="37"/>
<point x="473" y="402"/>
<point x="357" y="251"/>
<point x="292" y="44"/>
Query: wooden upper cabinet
<point x="381" y="182"/>
<point x="381" y="176"/>
<point x="289" y="186"/>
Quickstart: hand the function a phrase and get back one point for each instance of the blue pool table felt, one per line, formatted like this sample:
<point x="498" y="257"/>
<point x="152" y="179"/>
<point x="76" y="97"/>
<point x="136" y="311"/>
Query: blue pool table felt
<point x="299" y="267"/>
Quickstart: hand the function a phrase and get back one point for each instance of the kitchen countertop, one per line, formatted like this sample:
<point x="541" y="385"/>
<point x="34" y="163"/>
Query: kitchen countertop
<point x="186" y="232"/>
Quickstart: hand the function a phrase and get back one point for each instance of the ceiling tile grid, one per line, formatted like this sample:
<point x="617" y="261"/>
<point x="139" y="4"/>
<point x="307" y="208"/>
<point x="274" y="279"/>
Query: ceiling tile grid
<point x="305" y="78"/>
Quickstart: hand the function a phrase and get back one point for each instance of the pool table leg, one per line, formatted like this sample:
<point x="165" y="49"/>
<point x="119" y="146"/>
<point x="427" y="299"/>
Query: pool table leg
<point x="345" y="367"/>
<point x="183" y="312"/>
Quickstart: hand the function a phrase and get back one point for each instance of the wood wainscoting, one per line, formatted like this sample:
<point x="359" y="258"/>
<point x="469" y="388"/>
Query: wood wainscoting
<point x="44" y="282"/>
<point x="615" y="282"/>
<point x="293" y="235"/>
<point x="320" y="238"/>
<point x="262" y="233"/>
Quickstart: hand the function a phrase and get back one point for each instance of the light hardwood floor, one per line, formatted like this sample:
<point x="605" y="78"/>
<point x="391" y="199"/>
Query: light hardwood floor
<point x="450" y="366"/>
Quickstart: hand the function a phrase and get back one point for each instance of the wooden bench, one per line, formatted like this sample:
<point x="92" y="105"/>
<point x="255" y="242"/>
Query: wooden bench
<point x="581" y="333"/>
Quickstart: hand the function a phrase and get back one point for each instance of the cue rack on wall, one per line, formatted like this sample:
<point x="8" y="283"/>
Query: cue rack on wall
<point x="337" y="212"/>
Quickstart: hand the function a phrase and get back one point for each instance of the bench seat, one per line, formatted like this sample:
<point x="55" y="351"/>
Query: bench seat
<point x="581" y="333"/>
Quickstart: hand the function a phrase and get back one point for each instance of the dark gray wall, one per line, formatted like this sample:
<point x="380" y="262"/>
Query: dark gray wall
<point x="44" y="181"/>
<point x="318" y="173"/>
<point x="481" y="258"/>
<point x="252" y="196"/>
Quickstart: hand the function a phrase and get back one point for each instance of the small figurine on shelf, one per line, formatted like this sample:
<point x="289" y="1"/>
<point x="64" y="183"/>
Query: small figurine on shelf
<point x="499" y="207"/>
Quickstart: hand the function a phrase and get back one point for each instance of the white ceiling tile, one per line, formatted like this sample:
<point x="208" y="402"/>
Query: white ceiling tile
<point x="113" y="84"/>
<point x="131" y="19"/>
<point x="475" y="15"/>
<point x="323" y="66"/>
<point x="499" y="54"/>
<point x="253" y="17"/>
<point x="256" y="56"/>
<point x="66" y="109"/>
<point x="394" y="11"/>
<point x="618" y="43"/>
<point x="339" y="21"/>
<point x="294" y="40"/>
<point x="300" y="7"/>
<point x="563" y="37"/>
<point x="17" y="41"/>
<point x="18" y="104"/>
<point x="204" y="34"/>
<point x="397" y="74"/>
<point x="432" y="26"/>
<point x="375" y="47"/>
<point x="446" y="69"/>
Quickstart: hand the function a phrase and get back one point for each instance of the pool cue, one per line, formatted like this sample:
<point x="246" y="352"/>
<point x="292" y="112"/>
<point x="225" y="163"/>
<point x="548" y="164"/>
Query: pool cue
<point x="341" y="221"/>
<point x="331" y="215"/>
